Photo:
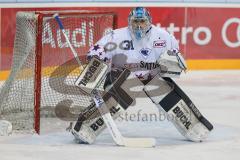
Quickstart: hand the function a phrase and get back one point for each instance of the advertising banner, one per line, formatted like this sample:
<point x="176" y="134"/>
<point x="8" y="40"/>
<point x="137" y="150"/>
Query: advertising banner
<point x="204" y="34"/>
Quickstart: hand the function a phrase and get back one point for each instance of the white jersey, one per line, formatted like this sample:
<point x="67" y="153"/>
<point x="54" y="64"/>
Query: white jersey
<point x="140" y="56"/>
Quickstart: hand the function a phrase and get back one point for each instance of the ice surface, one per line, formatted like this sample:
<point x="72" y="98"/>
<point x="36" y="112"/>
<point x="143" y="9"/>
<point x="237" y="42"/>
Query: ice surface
<point x="215" y="93"/>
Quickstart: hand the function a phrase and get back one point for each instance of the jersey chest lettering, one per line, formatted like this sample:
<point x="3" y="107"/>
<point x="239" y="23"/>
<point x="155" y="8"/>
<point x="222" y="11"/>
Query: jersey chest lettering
<point x="149" y="65"/>
<point x="123" y="45"/>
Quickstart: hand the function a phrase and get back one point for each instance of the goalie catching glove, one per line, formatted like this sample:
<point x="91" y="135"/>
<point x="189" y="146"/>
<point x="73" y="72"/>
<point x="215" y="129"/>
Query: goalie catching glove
<point x="171" y="64"/>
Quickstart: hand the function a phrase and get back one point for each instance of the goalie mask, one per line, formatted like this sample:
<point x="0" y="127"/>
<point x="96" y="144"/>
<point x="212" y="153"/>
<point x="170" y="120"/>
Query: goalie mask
<point x="139" y="22"/>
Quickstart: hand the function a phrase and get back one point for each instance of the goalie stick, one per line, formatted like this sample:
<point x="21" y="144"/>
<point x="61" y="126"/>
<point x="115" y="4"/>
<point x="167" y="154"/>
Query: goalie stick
<point x="100" y="104"/>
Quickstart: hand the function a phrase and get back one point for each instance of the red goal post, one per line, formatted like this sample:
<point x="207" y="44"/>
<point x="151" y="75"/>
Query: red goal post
<point x="43" y="69"/>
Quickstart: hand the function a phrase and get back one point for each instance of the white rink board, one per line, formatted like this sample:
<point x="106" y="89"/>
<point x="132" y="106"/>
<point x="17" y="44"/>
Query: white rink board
<point x="215" y="93"/>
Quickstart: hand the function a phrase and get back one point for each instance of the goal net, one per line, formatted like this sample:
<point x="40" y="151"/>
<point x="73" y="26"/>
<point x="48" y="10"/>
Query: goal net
<point x="43" y="72"/>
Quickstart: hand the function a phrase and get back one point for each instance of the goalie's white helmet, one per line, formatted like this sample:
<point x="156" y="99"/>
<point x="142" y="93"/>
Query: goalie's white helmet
<point x="139" y="22"/>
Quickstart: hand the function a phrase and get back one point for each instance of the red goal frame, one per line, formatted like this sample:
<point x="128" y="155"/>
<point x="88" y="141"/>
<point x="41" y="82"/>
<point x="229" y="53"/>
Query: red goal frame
<point x="38" y="59"/>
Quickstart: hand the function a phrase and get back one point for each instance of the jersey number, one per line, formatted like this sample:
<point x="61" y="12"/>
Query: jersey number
<point x="124" y="45"/>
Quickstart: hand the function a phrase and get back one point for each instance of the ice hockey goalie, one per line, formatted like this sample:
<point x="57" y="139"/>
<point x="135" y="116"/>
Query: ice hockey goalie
<point x="144" y="55"/>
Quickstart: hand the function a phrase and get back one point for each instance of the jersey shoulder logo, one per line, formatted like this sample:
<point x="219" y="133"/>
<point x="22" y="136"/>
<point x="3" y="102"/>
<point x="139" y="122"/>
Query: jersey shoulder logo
<point x="145" y="52"/>
<point x="159" y="44"/>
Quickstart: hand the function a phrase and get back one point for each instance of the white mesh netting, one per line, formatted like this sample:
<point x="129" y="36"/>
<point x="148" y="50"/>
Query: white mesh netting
<point x="59" y="69"/>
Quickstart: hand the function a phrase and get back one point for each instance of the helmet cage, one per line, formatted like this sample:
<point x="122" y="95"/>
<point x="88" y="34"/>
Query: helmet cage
<point x="139" y="22"/>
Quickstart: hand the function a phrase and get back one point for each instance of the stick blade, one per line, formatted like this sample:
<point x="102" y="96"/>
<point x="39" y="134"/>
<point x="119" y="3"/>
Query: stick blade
<point x="139" y="142"/>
